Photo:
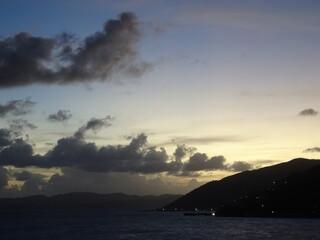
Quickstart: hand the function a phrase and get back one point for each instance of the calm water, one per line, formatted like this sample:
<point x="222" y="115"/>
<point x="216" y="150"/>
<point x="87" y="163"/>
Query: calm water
<point x="94" y="224"/>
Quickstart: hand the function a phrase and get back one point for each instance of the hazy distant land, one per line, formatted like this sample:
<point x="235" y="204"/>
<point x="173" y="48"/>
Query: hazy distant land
<point x="115" y="201"/>
<point x="288" y="189"/>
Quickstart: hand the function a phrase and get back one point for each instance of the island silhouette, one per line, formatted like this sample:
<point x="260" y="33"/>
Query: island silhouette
<point x="289" y="189"/>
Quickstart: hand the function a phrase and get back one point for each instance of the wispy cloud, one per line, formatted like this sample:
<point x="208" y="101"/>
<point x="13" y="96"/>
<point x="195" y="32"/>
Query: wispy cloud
<point x="205" y="140"/>
<point x="93" y="124"/>
<point x="308" y="112"/>
<point x="18" y="125"/>
<point x="60" y="116"/>
<point x="257" y="94"/>
<point x="16" y="107"/>
<point x="312" y="150"/>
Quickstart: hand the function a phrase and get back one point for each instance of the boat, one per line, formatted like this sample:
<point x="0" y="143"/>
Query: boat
<point x="199" y="214"/>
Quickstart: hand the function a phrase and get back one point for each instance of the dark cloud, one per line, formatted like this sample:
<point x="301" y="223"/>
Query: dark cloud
<point x="200" y="162"/>
<point x="136" y="157"/>
<point x="26" y="175"/>
<point x="16" y="126"/>
<point x="16" y="107"/>
<point x="93" y="124"/>
<point x="240" y="166"/>
<point x="22" y="176"/>
<point x="5" y="137"/>
<point x="312" y="150"/>
<point x="60" y="116"/>
<point x="308" y="112"/>
<point x="3" y="177"/>
<point x="33" y="183"/>
<point x="26" y="59"/>
<point x="182" y="151"/>
<point x="32" y="186"/>
<point x="18" y="154"/>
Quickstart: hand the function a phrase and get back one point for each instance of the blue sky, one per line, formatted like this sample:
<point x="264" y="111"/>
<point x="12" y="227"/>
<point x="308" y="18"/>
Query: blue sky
<point x="231" y="79"/>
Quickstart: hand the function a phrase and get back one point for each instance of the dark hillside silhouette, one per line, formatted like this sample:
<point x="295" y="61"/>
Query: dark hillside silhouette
<point x="295" y="196"/>
<point x="215" y="194"/>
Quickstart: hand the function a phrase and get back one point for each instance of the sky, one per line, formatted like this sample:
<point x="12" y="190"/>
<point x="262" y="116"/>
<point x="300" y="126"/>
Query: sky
<point x="153" y="97"/>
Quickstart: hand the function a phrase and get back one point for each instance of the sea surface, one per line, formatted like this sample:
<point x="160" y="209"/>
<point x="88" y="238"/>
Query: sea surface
<point x="113" y="225"/>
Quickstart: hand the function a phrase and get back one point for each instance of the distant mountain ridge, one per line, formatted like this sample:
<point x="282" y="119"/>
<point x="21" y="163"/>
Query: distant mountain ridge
<point x="87" y="200"/>
<point x="215" y="194"/>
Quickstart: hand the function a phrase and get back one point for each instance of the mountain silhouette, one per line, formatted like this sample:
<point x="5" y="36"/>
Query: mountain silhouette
<point x="295" y="196"/>
<point x="215" y="194"/>
<point x="115" y="201"/>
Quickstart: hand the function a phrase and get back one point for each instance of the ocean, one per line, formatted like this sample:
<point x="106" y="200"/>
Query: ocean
<point x="113" y="225"/>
